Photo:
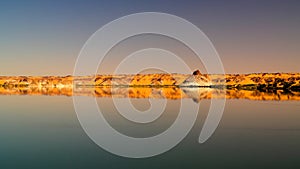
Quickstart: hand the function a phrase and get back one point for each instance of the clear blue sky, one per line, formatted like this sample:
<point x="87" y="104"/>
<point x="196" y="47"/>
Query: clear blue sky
<point x="45" y="37"/>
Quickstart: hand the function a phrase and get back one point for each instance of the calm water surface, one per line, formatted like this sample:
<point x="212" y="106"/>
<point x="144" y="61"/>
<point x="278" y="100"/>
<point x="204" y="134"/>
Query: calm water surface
<point x="44" y="132"/>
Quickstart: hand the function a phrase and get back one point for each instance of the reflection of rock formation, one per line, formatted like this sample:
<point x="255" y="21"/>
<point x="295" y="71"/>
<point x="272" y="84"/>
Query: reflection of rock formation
<point x="194" y="93"/>
<point x="197" y="93"/>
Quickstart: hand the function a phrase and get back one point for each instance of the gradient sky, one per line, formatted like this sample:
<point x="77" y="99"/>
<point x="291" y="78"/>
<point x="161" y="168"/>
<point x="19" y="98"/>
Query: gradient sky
<point x="45" y="37"/>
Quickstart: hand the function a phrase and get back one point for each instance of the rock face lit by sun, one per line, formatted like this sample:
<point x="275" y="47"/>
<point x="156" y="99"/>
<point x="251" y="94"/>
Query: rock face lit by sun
<point x="262" y="86"/>
<point x="288" y="81"/>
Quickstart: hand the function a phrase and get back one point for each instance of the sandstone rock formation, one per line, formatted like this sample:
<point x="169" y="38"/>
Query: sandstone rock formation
<point x="196" y="80"/>
<point x="260" y="81"/>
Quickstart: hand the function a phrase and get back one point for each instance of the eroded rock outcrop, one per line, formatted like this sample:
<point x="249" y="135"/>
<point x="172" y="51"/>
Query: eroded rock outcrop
<point x="260" y="81"/>
<point x="196" y="80"/>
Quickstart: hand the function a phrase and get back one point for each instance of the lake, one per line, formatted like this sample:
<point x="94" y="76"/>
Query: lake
<point x="40" y="131"/>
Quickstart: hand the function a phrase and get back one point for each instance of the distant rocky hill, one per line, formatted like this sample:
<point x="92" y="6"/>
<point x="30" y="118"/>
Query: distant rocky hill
<point x="256" y="81"/>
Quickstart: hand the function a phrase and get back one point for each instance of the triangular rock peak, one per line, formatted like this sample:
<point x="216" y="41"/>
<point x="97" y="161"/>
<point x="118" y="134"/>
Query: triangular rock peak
<point x="197" y="79"/>
<point x="197" y="72"/>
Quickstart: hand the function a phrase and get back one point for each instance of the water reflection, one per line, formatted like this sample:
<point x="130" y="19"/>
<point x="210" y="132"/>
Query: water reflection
<point x="37" y="130"/>
<point x="196" y="94"/>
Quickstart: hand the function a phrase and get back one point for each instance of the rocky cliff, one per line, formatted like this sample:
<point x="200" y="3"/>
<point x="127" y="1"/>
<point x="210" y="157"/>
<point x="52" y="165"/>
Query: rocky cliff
<point x="256" y="81"/>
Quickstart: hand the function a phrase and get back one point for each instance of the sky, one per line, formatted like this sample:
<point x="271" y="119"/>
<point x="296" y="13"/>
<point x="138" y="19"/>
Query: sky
<point x="45" y="37"/>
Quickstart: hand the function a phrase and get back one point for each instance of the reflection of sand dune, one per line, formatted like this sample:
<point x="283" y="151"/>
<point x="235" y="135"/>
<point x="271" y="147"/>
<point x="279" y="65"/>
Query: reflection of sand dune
<point x="160" y="92"/>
